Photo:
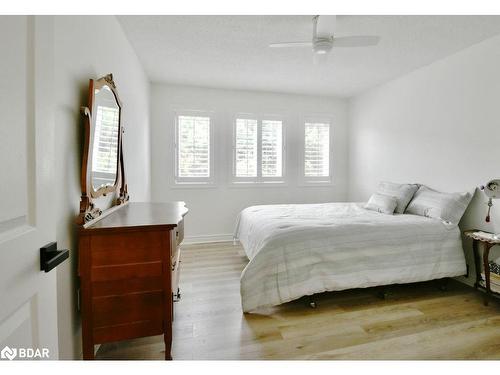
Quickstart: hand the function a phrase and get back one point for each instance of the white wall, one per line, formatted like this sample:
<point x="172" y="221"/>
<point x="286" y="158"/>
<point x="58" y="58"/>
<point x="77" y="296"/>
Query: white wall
<point x="213" y="210"/>
<point x="90" y="47"/>
<point x="439" y="125"/>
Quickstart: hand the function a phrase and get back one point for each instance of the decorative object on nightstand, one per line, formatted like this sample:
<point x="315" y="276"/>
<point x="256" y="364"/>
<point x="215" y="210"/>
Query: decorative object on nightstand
<point x="492" y="191"/>
<point x="489" y="279"/>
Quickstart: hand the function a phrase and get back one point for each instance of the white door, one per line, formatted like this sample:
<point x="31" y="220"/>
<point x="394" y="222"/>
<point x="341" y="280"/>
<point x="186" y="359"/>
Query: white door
<point x="28" y="304"/>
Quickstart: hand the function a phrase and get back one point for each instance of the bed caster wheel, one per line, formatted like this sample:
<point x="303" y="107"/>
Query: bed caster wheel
<point x="443" y="285"/>
<point x="311" y="303"/>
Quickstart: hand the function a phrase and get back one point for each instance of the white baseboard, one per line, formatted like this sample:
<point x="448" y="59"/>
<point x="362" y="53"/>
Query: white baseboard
<point x="208" y="238"/>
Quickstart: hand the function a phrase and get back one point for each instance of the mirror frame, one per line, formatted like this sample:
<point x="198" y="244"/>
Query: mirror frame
<point x="88" y="209"/>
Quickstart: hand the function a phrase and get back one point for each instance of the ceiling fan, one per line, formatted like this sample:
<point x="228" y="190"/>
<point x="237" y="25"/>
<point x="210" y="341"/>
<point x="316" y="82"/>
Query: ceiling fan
<point x="324" y="39"/>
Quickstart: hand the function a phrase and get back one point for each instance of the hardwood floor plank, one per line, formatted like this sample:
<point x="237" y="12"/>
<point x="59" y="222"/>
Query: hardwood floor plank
<point x="458" y="341"/>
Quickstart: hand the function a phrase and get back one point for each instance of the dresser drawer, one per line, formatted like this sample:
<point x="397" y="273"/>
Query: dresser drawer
<point x="127" y="286"/>
<point x="127" y="309"/>
<point x="126" y="248"/>
<point x="126" y="255"/>
<point x="126" y="271"/>
<point x="179" y="232"/>
<point x="175" y="252"/>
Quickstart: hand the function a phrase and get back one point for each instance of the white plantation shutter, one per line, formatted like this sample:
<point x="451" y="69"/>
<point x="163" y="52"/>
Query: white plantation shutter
<point x="272" y="146"/>
<point x="258" y="150"/>
<point x="317" y="150"/>
<point x="193" y="147"/>
<point x="246" y="148"/>
<point x="105" y="152"/>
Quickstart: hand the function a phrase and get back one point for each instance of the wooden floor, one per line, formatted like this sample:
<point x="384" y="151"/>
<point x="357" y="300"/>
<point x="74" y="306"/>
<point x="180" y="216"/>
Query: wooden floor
<point x="416" y="321"/>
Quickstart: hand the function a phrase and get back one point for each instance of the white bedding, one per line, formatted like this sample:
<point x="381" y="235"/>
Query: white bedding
<point x="302" y="249"/>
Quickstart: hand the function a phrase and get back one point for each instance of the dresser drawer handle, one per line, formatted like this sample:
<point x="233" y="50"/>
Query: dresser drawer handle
<point x="176" y="296"/>
<point x="174" y="265"/>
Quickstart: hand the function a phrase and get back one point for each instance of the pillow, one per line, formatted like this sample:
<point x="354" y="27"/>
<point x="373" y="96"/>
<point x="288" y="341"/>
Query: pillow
<point x="445" y="206"/>
<point x="382" y="203"/>
<point x="402" y="192"/>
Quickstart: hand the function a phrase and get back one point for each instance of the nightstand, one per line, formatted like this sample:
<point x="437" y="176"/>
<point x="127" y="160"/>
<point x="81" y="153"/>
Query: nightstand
<point x="487" y="240"/>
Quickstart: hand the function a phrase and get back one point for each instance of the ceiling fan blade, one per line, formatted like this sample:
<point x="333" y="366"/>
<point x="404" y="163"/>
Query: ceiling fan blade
<point x="355" y="41"/>
<point x="325" y="26"/>
<point x="291" y="44"/>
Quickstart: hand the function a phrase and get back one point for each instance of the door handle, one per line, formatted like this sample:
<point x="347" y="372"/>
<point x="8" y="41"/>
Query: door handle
<point x="50" y="257"/>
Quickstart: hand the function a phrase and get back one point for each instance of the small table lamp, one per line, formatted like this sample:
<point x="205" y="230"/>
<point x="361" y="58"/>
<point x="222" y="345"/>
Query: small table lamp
<point x="492" y="191"/>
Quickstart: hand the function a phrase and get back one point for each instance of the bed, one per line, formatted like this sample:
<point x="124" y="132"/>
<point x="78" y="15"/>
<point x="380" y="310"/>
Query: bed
<point x="296" y="250"/>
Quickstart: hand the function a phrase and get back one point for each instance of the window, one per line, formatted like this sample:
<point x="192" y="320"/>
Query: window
<point x="258" y="150"/>
<point x="317" y="152"/>
<point x="246" y="148"/>
<point x="193" y="149"/>
<point x="272" y="148"/>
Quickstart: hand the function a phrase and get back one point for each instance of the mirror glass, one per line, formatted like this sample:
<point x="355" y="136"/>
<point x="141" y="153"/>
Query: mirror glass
<point x="106" y="125"/>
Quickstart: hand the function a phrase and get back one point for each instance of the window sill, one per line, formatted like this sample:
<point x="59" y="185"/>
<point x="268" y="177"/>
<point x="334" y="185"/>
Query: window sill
<point x="316" y="184"/>
<point x="257" y="184"/>
<point x="193" y="185"/>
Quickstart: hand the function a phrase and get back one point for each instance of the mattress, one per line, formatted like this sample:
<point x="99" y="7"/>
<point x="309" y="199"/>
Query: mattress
<point x="302" y="249"/>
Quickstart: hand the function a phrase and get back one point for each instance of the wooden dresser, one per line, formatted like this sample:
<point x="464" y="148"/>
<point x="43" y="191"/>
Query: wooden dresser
<point x="129" y="270"/>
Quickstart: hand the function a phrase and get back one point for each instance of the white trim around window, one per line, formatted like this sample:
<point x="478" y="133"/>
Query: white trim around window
<point x="312" y="175"/>
<point x="196" y="141"/>
<point x="253" y="173"/>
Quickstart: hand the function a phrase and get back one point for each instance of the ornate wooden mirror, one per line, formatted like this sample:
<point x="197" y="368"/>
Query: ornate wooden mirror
<point x="103" y="172"/>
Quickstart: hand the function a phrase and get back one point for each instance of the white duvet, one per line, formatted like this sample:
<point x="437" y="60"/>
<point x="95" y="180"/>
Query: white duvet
<point x="302" y="249"/>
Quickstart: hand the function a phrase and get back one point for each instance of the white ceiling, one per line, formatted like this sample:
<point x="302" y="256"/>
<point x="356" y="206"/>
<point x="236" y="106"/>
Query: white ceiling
<point x="232" y="51"/>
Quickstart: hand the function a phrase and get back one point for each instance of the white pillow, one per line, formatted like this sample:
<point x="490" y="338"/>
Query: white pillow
<point x="382" y="203"/>
<point x="402" y="192"/>
<point x="445" y="206"/>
